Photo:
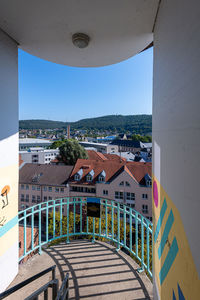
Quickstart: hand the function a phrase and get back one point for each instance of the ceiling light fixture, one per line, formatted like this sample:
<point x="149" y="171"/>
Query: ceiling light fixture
<point x="80" y="40"/>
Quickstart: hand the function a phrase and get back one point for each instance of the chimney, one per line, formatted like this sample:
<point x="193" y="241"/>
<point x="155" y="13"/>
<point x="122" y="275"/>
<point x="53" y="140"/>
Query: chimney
<point x="68" y="131"/>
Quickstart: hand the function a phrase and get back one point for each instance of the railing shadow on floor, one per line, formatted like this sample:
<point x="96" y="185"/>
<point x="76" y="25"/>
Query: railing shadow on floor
<point x="64" y="254"/>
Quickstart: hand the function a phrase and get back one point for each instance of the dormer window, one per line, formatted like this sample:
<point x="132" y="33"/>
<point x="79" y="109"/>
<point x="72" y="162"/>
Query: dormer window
<point x="78" y="175"/>
<point x="102" y="176"/>
<point x="147" y="180"/>
<point x="90" y="176"/>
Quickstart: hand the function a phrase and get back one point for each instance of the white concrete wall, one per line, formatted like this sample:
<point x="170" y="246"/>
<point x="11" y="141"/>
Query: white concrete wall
<point x="44" y="156"/>
<point x="8" y="160"/>
<point x="176" y="141"/>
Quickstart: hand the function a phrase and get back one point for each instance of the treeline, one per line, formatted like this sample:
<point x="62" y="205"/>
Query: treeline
<point x="138" y="124"/>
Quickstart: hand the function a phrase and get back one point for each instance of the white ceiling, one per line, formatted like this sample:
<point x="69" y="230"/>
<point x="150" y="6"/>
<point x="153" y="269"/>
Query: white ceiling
<point x="118" y="29"/>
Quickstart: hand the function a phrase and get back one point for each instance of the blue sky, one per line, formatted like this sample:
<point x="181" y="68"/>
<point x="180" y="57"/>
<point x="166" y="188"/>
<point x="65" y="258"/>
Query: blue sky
<point x="55" y="92"/>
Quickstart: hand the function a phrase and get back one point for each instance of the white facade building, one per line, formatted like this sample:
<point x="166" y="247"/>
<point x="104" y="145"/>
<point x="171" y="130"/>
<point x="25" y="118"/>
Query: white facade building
<point x="103" y="148"/>
<point x="39" y="155"/>
<point x="27" y="143"/>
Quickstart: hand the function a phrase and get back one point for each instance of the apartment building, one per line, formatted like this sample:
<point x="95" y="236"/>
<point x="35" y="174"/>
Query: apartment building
<point x="103" y="148"/>
<point x="39" y="155"/>
<point x="128" y="145"/>
<point x="126" y="182"/>
<point x="39" y="183"/>
<point x="27" y="143"/>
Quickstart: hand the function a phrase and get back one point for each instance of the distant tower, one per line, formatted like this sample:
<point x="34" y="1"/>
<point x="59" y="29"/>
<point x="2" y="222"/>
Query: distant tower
<point x="68" y="131"/>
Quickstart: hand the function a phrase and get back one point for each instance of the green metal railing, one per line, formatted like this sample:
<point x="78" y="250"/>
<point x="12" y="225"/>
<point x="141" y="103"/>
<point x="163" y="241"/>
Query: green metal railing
<point x="67" y="217"/>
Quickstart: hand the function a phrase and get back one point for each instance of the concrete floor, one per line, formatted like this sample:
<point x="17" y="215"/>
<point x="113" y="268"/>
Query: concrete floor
<point x="96" y="271"/>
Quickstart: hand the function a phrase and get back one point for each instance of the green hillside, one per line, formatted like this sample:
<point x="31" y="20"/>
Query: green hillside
<point x="134" y="123"/>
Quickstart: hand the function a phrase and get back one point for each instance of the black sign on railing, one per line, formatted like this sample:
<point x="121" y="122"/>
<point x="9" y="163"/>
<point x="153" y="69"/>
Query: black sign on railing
<point x="93" y="207"/>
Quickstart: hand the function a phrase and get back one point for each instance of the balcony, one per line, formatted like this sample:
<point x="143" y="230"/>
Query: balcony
<point x="106" y="257"/>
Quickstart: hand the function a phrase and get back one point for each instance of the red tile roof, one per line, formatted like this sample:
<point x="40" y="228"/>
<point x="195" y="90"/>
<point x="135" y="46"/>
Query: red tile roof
<point x="112" y="169"/>
<point x="94" y="155"/>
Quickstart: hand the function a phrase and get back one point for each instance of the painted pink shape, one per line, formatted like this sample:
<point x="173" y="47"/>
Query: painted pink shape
<point x="155" y="193"/>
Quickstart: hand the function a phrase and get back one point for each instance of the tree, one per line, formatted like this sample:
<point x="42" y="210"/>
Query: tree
<point x="57" y="144"/>
<point x="70" y="151"/>
<point x="143" y="139"/>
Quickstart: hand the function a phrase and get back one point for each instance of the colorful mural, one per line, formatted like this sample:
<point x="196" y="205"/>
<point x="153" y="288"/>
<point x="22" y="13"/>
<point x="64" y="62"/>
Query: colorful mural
<point x="8" y="207"/>
<point x="175" y="272"/>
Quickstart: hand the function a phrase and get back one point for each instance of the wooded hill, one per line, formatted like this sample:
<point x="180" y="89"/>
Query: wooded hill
<point x="140" y="124"/>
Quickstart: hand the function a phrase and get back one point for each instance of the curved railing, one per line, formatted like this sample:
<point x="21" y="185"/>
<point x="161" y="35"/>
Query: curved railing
<point x="67" y="217"/>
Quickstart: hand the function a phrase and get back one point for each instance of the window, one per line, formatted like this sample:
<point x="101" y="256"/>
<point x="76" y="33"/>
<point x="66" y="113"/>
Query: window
<point x="144" y="196"/>
<point x="45" y="188"/>
<point x="22" y="197"/>
<point x="38" y="188"/>
<point x="130" y="196"/>
<point x="105" y="192"/>
<point x="38" y="198"/>
<point x="101" y="178"/>
<point x="62" y="190"/>
<point x="148" y="182"/>
<point x="89" y="178"/>
<point x="119" y="195"/>
<point x="77" y="177"/>
<point x="27" y="187"/>
<point x="121" y="183"/>
<point x="57" y="190"/>
<point x="27" y="198"/>
<point x="22" y="186"/>
<point x="45" y="198"/>
<point x="50" y="188"/>
<point x="50" y="198"/>
<point x="145" y="209"/>
<point x="33" y="199"/>
<point x="33" y="187"/>
<point x="127" y="183"/>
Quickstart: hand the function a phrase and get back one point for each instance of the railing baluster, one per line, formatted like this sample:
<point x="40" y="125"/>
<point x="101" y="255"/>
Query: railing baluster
<point x="32" y="228"/>
<point x="124" y="209"/>
<point x="93" y="239"/>
<point x="112" y="219"/>
<point x="40" y="229"/>
<point x="87" y="224"/>
<point x="61" y="216"/>
<point x="106" y="218"/>
<point x="54" y="222"/>
<point x="148" y="264"/>
<point x="81" y="211"/>
<point x="47" y="221"/>
<point x="74" y="215"/>
<point x="118" y="226"/>
<point x="25" y="232"/>
<point x="67" y="220"/>
<point x="136" y="234"/>
<point x="130" y="231"/>
<point x="46" y="294"/>
<point x="142" y="241"/>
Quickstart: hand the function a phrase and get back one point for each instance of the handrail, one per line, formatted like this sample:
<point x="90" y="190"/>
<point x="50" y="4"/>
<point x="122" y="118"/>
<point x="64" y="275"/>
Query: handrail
<point x="118" y="223"/>
<point x="63" y="293"/>
<point x="44" y="288"/>
<point x="27" y="281"/>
